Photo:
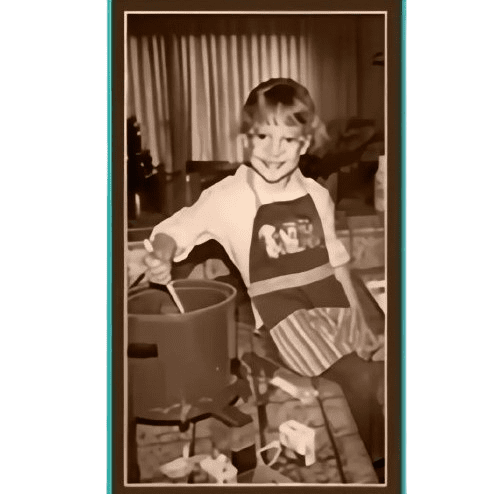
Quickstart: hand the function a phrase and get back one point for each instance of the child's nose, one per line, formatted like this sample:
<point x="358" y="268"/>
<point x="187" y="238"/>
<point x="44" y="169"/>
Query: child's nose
<point x="276" y="146"/>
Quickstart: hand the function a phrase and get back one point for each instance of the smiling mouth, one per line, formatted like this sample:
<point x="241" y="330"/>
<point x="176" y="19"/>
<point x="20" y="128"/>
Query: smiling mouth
<point x="273" y="164"/>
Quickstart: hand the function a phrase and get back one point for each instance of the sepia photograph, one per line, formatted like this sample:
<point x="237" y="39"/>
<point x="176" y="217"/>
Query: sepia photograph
<point x="255" y="234"/>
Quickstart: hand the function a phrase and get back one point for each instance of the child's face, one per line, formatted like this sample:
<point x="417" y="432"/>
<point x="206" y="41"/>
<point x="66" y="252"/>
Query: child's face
<point x="275" y="150"/>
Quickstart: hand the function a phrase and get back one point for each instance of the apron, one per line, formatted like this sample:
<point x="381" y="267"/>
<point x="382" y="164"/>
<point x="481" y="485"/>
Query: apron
<point x="294" y="289"/>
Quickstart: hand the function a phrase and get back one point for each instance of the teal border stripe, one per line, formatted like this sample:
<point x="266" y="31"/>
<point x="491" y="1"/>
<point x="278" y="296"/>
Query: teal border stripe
<point x="403" y="242"/>
<point x="109" y="247"/>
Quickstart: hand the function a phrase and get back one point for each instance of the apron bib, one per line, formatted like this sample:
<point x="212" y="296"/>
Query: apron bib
<point x="294" y="289"/>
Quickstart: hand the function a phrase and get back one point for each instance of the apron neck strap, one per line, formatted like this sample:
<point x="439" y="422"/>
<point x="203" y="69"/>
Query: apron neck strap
<point x="250" y="181"/>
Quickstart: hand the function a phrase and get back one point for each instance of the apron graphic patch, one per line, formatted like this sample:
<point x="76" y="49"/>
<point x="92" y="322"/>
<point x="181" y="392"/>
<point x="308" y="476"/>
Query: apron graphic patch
<point x="287" y="238"/>
<point x="290" y="237"/>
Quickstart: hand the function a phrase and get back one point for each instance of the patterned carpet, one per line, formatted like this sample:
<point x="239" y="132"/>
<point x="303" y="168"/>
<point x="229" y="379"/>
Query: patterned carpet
<point x="159" y="445"/>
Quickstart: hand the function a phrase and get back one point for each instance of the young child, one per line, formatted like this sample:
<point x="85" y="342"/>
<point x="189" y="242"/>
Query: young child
<point x="278" y="228"/>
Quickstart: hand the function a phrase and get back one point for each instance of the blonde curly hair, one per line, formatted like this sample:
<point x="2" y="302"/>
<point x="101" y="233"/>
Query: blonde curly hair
<point x="287" y="101"/>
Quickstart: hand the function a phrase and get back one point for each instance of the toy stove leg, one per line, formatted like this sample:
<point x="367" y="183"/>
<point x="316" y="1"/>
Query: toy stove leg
<point x="133" y="473"/>
<point x="192" y="448"/>
<point x="243" y="447"/>
<point x="329" y="432"/>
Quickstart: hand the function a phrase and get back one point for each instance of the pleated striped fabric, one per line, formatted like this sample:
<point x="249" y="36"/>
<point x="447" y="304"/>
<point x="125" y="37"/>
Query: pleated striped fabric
<point x="311" y="341"/>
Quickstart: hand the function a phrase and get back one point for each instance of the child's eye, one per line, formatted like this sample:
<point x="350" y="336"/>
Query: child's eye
<point x="261" y="136"/>
<point x="289" y="139"/>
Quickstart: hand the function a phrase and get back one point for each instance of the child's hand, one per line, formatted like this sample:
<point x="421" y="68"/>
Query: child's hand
<point x="368" y="345"/>
<point x="159" y="261"/>
<point x="159" y="271"/>
<point x="379" y="355"/>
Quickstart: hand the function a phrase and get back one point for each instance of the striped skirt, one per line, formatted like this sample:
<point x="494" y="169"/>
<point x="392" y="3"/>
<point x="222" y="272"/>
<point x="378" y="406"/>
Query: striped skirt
<point x="311" y="341"/>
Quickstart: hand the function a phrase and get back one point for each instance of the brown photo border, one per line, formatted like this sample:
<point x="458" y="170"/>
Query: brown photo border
<point x="395" y="248"/>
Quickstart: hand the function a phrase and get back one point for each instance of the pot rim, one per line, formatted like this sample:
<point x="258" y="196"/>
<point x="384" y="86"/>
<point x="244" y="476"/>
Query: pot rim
<point x="186" y="284"/>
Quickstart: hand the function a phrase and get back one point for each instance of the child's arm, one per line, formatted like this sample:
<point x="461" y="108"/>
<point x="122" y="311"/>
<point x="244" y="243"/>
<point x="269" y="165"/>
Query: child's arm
<point x="370" y="343"/>
<point x="339" y="257"/>
<point x="192" y="225"/>
<point x="337" y="253"/>
<point x="344" y="276"/>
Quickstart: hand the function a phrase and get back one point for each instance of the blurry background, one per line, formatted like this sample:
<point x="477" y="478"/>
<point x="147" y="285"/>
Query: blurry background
<point x="187" y="78"/>
<point x="189" y="75"/>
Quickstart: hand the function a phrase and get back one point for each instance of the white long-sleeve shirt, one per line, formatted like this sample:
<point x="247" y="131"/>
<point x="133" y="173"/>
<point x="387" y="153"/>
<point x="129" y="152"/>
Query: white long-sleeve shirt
<point x="225" y="212"/>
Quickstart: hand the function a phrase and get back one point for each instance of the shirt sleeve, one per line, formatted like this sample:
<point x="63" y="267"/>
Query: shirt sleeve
<point x="193" y="225"/>
<point x="336" y="250"/>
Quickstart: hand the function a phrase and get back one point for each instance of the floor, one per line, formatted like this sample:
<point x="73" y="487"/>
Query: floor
<point x="159" y="445"/>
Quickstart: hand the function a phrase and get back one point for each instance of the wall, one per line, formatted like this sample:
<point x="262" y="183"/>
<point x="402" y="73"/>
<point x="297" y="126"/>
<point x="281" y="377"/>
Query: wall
<point x="371" y="77"/>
